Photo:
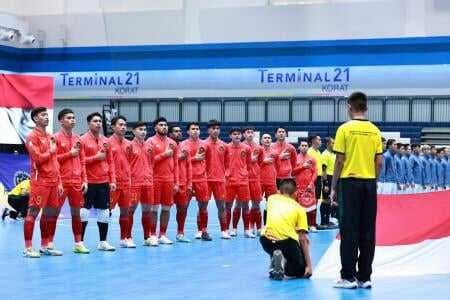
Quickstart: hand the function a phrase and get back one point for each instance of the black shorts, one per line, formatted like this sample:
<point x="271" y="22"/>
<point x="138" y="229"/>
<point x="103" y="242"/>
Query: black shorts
<point x="97" y="196"/>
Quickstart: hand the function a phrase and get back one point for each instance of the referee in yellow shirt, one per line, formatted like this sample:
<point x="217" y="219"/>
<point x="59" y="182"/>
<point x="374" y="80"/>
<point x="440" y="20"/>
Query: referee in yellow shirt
<point x="359" y="151"/>
<point x="326" y="208"/>
<point x="285" y="236"/>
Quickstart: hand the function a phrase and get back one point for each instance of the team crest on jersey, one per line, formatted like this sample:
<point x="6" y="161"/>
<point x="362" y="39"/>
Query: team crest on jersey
<point x="221" y="148"/>
<point x="38" y="200"/>
<point x="20" y="176"/>
<point x="243" y="154"/>
<point x="171" y="146"/>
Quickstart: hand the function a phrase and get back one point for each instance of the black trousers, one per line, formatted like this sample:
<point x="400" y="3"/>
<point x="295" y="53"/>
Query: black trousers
<point x="295" y="259"/>
<point x="358" y="212"/>
<point x="20" y="204"/>
<point x="325" y="206"/>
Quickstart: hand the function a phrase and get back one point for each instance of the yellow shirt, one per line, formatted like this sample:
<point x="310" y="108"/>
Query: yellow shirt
<point x="360" y="142"/>
<point x="284" y="218"/>
<point x="328" y="159"/>
<point x="318" y="158"/>
<point x="22" y="188"/>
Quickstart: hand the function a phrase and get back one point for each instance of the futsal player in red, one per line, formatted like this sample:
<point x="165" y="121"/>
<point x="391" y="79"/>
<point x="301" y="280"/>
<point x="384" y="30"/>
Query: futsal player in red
<point x="254" y="180"/>
<point x="165" y="176"/>
<point x="141" y="191"/>
<point x="183" y="196"/>
<point x="216" y="155"/>
<point x="305" y="173"/>
<point x="101" y="177"/>
<point x="73" y="174"/>
<point x="121" y="149"/>
<point x="287" y="155"/>
<point x="268" y="168"/>
<point x="46" y="185"/>
<point x="237" y="174"/>
<point x="197" y="153"/>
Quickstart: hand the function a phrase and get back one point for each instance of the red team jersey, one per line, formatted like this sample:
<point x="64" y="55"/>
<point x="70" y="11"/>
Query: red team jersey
<point x="285" y="166"/>
<point x="98" y="171"/>
<point x="44" y="165"/>
<point x="305" y="178"/>
<point x="121" y="149"/>
<point x="198" y="166"/>
<point x="239" y="160"/>
<point x="268" y="171"/>
<point x="216" y="155"/>
<point x="184" y="167"/>
<point x="165" y="169"/>
<point x="255" y="161"/>
<point x="72" y="168"/>
<point x="141" y="163"/>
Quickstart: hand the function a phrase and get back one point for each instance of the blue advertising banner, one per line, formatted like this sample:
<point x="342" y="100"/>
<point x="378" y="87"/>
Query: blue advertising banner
<point x="13" y="169"/>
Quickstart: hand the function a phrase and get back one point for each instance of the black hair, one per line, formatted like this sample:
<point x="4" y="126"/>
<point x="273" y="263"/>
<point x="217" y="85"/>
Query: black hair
<point x="413" y="146"/>
<point x="139" y="124"/>
<point x="311" y="138"/>
<point x="92" y="115"/>
<point x="36" y="111"/>
<point x="172" y="127"/>
<point x="383" y="139"/>
<point x="213" y="123"/>
<point x="281" y="127"/>
<point x="287" y="186"/>
<point x="248" y="128"/>
<point x="116" y="119"/>
<point x="389" y="142"/>
<point x="235" y="129"/>
<point x="158" y="120"/>
<point x="64" y="112"/>
<point x="192" y="124"/>
<point x="358" y="101"/>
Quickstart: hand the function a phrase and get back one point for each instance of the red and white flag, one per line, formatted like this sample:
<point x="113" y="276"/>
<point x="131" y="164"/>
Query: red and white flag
<point x="19" y="94"/>
<point x="412" y="237"/>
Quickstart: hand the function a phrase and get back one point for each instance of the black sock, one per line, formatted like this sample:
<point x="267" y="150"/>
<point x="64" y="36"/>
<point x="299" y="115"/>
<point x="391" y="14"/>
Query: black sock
<point x="83" y="229"/>
<point x="102" y="230"/>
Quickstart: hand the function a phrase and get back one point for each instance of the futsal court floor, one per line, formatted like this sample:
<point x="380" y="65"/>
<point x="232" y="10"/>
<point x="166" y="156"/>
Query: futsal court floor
<point x="221" y="269"/>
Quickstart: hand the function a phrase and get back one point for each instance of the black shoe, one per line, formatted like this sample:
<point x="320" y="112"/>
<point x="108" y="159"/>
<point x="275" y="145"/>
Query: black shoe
<point x="322" y="227"/>
<point x="4" y="214"/>
<point x="206" y="236"/>
<point x="276" y="271"/>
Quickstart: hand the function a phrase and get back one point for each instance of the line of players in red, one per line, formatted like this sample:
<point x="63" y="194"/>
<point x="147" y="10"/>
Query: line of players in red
<point x="93" y="171"/>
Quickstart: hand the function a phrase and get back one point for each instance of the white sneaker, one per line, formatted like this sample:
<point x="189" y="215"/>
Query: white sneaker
<point x="50" y="252"/>
<point x="30" y="253"/>
<point x="146" y="242"/>
<point x="224" y="235"/>
<point x="105" y="246"/>
<point x="131" y="243"/>
<point x="198" y="236"/>
<point x="164" y="240"/>
<point x="313" y="229"/>
<point x="123" y="243"/>
<point x="345" y="284"/>
<point x="365" y="284"/>
<point x="334" y="221"/>
<point x="154" y="242"/>
<point x="182" y="239"/>
<point x="249" y="234"/>
<point x="233" y="232"/>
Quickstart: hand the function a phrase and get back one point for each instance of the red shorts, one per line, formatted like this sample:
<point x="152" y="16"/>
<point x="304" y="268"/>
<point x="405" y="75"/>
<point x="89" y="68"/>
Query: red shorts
<point x="238" y="192"/>
<point x="163" y="193"/>
<point x="74" y="194"/>
<point x="200" y="190"/>
<point x="120" y="196"/>
<point x="217" y="189"/>
<point x="182" y="197"/>
<point x="142" y="194"/>
<point x="44" y="196"/>
<point x="255" y="191"/>
<point x="268" y="189"/>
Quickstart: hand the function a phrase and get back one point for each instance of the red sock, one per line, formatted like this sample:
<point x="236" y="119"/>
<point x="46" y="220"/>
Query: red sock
<point x="246" y="217"/>
<point x="153" y="222"/>
<point x="228" y="218"/>
<point x="199" y="222"/>
<point x="76" y="228"/>
<point x="123" y="222"/>
<point x="130" y="224"/>
<point x="258" y="218"/>
<point x="204" y="219"/>
<point x="164" y="222"/>
<point x="43" y="223"/>
<point x="28" y="228"/>
<point x="311" y="216"/>
<point x="52" y="220"/>
<point x="236" y="216"/>
<point x="146" y="220"/>
<point x="223" y="221"/>
<point x="181" y="219"/>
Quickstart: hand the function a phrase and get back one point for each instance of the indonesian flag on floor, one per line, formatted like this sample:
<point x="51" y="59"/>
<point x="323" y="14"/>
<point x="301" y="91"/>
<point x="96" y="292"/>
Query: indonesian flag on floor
<point x="412" y="237"/>
<point x="19" y="94"/>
